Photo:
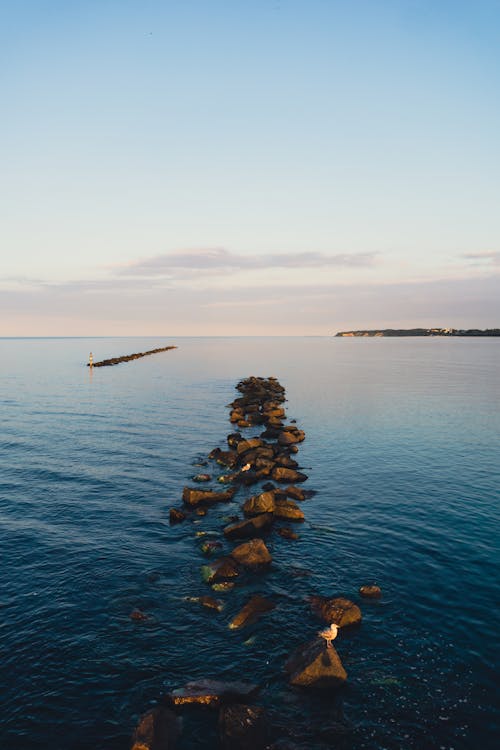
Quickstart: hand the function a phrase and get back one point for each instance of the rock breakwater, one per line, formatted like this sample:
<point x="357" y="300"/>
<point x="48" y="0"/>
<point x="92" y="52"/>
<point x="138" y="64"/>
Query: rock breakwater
<point x="128" y="357"/>
<point x="264" y="473"/>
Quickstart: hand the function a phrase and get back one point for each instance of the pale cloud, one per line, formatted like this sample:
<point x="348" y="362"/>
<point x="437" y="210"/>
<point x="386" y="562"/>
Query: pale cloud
<point x="219" y="260"/>
<point x="490" y="258"/>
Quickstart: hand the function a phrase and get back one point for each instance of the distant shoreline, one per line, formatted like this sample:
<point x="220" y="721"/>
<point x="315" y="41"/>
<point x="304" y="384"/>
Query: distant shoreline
<point x="396" y="332"/>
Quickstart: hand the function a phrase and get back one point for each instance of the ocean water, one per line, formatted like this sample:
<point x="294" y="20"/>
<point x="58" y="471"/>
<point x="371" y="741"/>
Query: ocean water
<point x="402" y="448"/>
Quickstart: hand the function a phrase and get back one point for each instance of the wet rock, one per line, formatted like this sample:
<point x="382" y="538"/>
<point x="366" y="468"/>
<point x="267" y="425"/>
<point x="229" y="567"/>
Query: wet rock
<point x="287" y="462"/>
<point x="314" y="665"/>
<point x="138" y="615"/>
<point x="202" y="478"/>
<point x="236" y="415"/>
<point x="288" y="510"/>
<point x="223" y="586"/>
<point x="291" y="436"/>
<point x="212" y="693"/>
<point x="336" y="610"/>
<point x="233" y="439"/>
<point x="176" y="516"/>
<point x="253" y="609"/>
<point x="227" y="458"/>
<point x="287" y="533"/>
<point x="247" y="445"/>
<point x="209" y="547"/>
<point x="252" y="554"/>
<point x="371" y="591"/>
<point x="268" y="487"/>
<point x="219" y="570"/>
<point x="243" y="727"/>
<point x="201" y="511"/>
<point x="296" y="493"/>
<point x="192" y="496"/>
<point x="157" y="730"/>
<point x="282" y="474"/>
<point x="250" y="528"/>
<point x="263" y="503"/>
<point x="208" y="602"/>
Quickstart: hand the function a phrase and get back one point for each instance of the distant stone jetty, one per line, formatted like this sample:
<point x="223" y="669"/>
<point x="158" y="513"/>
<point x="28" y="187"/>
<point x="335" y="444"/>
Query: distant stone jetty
<point x="128" y="357"/>
<point x="394" y="332"/>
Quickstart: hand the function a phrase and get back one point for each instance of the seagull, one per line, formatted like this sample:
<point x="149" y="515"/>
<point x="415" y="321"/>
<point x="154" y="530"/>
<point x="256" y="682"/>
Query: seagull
<point x="329" y="634"/>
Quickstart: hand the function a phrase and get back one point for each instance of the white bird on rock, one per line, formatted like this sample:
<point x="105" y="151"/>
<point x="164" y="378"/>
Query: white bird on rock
<point x="329" y="634"/>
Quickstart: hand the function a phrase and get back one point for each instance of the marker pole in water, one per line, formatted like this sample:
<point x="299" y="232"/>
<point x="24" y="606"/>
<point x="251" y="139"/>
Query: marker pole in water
<point x="91" y="360"/>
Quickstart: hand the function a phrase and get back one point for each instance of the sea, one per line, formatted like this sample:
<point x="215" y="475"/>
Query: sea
<point x="402" y="452"/>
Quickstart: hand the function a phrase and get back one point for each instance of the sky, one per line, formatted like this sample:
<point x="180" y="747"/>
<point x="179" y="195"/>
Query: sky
<point x="216" y="167"/>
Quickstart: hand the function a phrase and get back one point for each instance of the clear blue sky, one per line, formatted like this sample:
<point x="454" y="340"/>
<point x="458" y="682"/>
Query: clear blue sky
<point x="215" y="167"/>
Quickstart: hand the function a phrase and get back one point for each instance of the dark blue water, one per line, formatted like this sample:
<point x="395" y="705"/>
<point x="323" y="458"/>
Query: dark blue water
<point x="403" y="449"/>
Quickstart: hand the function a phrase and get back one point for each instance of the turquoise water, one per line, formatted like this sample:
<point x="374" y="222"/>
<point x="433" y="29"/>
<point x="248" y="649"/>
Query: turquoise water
<point x="402" y="448"/>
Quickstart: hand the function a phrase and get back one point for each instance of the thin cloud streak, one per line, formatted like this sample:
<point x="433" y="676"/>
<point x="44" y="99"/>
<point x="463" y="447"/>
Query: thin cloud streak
<point x="221" y="260"/>
<point x="483" y="258"/>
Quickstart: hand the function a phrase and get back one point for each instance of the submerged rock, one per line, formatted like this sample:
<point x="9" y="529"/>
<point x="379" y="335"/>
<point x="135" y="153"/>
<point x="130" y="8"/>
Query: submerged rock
<point x="315" y="665"/>
<point x="208" y="602"/>
<point x="250" y="527"/>
<point x="209" y="547"/>
<point x="336" y="610"/>
<point x="138" y="615"/>
<point x="252" y="554"/>
<point x="287" y="533"/>
<point x="212" y="693"/>
<point x="176" y="516"/>
<point x="371" y="591"/>
<point x="157" y="730"/>
<point x="219" y="570"/>
<point x="243" y="727"/>
<point x="223" y="586"/>
<point x="202" y="478"/>
<point x="192" y="496"/>
<point x="253" y="609"/>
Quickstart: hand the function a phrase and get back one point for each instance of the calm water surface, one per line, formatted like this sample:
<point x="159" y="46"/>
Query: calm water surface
<point x="402" y="448"/>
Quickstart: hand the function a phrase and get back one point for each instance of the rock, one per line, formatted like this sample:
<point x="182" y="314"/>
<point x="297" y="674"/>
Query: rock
<point x="263" y="503"/>
<point x="288" y="510"/>
<point x="252" y="554"/>
<point x="157" y="730"/>
<point x="315" y="665"/>
<point x="243" y="727"/>
<point x="193" y="497"/>
<point x="219" y="570"/>
<point x="138" y="616"/>
<point x="371" y="591"/>
<point x="247" y="445"/>
<point x="296" y="493"/>
<point x="176" y="516"/>
<point x="227" y="458"/>
<point x="233" y="439"/>
<point x="287" y="533"/>
<point x="337" y="610"/>
<point x="202" y="478"/>
<point x="201" y="511"/>
<point x="249" y="528"/>
<point x="223" y="586"/>
<point x="211" y="546"/>
<point x="282" y="474"/>
<point x="212" y="693"/>
<point x="291" y="436"/>
<point x="208" y="602"/>
<point x="287" y="462"/>
<point x="253" y="609"/>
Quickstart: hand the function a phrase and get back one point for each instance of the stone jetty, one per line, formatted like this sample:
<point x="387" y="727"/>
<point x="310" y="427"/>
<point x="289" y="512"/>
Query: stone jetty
<point x="128" y="357"/>
<point x="261" y="471"/>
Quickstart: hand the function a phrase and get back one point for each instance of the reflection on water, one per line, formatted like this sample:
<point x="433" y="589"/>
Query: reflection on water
<point x="402" y="448"/>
